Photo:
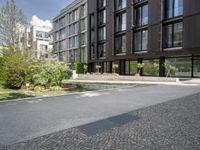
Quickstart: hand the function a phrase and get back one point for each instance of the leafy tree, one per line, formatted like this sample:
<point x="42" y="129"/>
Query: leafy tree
<point x="12" y="26"/>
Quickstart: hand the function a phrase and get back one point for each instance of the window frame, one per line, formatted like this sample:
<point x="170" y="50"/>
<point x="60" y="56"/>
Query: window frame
<point x="172" y="35"/>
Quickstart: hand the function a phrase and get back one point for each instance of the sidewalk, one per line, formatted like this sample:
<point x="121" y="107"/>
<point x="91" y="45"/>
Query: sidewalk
<point x="189" y="83"/>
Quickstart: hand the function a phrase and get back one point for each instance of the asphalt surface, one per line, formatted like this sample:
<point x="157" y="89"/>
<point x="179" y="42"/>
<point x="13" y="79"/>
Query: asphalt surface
<point x="25" y="120"/>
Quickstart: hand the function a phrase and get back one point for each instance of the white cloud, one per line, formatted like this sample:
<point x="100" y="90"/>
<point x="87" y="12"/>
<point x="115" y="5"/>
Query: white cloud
<point x="36" y="21"/>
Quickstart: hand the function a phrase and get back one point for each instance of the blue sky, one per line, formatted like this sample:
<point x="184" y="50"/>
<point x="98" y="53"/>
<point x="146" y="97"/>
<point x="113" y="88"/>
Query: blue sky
<point x="44" y="9"/>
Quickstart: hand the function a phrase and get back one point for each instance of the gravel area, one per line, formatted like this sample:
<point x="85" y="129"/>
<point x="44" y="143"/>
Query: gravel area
<point x="170" y="125"/>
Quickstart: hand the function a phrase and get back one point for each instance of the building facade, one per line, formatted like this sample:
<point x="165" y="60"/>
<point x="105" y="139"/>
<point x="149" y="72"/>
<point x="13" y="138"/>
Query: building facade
<point x="39" y="40"/>
<point x="161" y="35"/>
<point x="70" y="33"/>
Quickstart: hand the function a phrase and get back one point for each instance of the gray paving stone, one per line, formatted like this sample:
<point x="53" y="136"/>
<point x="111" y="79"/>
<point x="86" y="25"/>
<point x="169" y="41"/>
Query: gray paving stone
<point x="173" y="125"/>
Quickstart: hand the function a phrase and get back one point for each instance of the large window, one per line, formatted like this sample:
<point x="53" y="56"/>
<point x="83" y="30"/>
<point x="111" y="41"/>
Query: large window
<point x="151" y="67"/>
<point x="178" y="67"/>
<point x="173" y="8"/>
<point x="131" y="67"/>
<point x="173" y="35"/>
<point x="120" y="22"/>
<point x="141" y="15"/>
<point x="102" y="17"/>
<point x="120" y="4"/>
<point x="120" y="44"/>
<point x="141" y="40"/>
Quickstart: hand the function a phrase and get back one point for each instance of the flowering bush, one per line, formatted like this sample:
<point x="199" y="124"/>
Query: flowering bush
<point x="20" y="71"/>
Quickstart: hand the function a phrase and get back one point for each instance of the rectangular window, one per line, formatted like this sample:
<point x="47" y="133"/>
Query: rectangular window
<point x="133" y="67"/>
<point x="120" y="4"/>
<point x="141" y="40"/>
<point x="120" y="44"/>
<point x="102" y="34"/>
<point x="196" y="66"/>
<point x="83" y="24"/>
<point x="83" y="10"/>
<point x="173" y="35"/>
<point x="101" y="4"/>
<point x="141" y="16"/>
<point x="173" y="8"/>
<point x="62" y="22"/>
<point x="127" y="67"/>
<point x="62" y="34"/>
<point x="102" y="17"/>
<point x="92" y="36"/>
<point x="151" y="67"/>
<point x="120" y="22"/>
<point x="180" y="67"/>
<point x="102" y="50"/>
<point x="92" y="52"/>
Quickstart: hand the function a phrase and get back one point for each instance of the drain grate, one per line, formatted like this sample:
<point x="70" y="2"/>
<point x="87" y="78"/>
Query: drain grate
<point x="106" y="124"/>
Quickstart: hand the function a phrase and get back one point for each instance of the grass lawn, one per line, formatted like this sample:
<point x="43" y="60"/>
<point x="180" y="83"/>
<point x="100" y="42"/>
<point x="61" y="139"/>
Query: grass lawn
<point x="8" y="94"/>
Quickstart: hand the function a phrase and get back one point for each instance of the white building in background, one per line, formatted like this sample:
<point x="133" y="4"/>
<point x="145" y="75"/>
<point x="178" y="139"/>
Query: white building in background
<point x="40" y="41"/>
<point x="70" y="33"/>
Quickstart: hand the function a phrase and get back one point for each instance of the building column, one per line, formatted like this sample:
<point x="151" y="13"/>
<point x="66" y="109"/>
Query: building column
<point x="162" y="67"/>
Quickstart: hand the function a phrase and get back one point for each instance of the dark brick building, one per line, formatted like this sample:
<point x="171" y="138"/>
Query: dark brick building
<point x="162" y="34"/>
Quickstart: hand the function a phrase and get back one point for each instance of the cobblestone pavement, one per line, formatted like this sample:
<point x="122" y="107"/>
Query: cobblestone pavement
<point x="170" y="125"/>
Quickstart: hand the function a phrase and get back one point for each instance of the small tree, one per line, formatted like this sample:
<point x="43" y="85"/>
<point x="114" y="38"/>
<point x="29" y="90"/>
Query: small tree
<point x="140" y="66"/>
<point x="12" y="26"/>
<point x="115" y="67"/>
<point x="170" y="70"/>
<point x="98" y="67"/>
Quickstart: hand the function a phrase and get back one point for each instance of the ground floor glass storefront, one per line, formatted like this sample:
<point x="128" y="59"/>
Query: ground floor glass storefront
<point x="151" y="67"/>
<point x="178" y="67"/>
<point x="196" y="66"/>
<point x="173" y="67"/>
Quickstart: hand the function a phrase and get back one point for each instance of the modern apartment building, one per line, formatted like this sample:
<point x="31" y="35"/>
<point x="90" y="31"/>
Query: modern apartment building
<point x="40" y="42"/>
<point x="163" y="35"/>
<point x="70" y="33"/>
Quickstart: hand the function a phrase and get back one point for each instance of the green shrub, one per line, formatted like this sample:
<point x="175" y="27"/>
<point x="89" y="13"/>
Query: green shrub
<point x="39" y="88"/>
<point x="17" y="70"/>
<point x="50" y="73"/>
<point x="80" y="68"/>
<point x="55" y="88"/>
<point x="3" y="70"/>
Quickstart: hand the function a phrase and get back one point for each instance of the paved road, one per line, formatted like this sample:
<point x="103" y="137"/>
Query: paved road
<point x="23" y="120"/>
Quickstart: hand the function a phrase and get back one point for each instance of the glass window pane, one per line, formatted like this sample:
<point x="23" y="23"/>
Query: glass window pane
<point x="145" y="15"/>
<point x="196" y="66"/>
<point x="178" y="8"/>
<point x="144" y="40"/>
<point x="133" y="67"/>
<point x="178" y="32"/>
<point x="120" y="22"/>
<point x="120" y="44"/>
<point x="168" y="9"/>
<point x="151" y="67"/>
<point x="167" y="39"/>
<point x="120" y="4"/>
<point x="137" y="40"/>
<point x="127" y="68"/>
<point x="123" y="44"/>
<point x="181" y="67"/>
<point x="138" y="17"/>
